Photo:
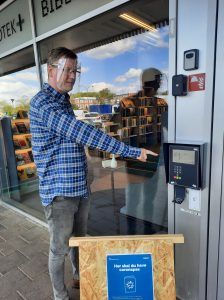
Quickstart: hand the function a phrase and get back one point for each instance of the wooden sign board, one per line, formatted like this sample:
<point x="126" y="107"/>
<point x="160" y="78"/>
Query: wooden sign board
<point x="93" y="252"/>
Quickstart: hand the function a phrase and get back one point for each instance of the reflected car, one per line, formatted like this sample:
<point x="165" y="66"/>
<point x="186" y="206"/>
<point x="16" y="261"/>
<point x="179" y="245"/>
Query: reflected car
<point x="92" y="118"/>
<point x="94" y="115"/>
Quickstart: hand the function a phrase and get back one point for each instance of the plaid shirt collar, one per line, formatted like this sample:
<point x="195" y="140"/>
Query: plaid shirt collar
<point x="61" y="98"/>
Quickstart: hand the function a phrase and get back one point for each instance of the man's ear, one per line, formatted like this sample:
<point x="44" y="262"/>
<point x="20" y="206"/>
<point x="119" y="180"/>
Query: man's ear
<point x="50" y="71"/>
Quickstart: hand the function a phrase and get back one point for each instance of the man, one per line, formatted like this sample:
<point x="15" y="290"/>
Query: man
<point x="58" y="141"/>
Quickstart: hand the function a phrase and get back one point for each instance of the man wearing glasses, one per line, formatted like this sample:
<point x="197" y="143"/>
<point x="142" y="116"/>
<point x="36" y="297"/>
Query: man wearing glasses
<point x="58" y="141"/>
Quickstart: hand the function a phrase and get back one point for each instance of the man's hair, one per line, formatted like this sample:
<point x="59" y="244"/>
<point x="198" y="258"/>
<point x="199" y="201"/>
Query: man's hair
<point x="55" y="54"/>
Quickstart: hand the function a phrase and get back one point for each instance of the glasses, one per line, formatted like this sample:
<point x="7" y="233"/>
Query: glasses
<point x="67" y="70"/>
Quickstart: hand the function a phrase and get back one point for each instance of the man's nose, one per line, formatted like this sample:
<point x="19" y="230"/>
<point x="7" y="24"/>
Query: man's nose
<point x="72" y="74"/>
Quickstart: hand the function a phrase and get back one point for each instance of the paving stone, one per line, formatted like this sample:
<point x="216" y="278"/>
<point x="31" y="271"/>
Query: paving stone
<point x="12" y="233"/>
<point x="13" y="296"/>
<point x="28" y="224"/>
<point x="45" y="237"/>
<point x="12" y="245"/>
<point x="11" y="282"/>
<point x="33" y="233"/>
<point x="1" y="226"/>
<point x="36" y="266"/>
<point x="24" y="272"/>
<point x="20" y="296"/>
<point x="6" y="249"/>
<point x="2" y="218"/>
<point x="2" y="241"/>
<point x="34" y="248"/>
<point x="39" y="289"/>
<point x="3" y="210"/>
<point x="12" y="221"/>
<point x="8" y="262"/>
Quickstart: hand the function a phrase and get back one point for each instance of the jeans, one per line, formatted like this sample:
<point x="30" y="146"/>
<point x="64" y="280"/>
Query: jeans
<point x="66" y="217"/>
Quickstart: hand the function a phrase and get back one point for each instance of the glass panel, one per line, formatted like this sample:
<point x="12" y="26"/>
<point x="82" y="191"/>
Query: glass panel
<point x="126" y="83"/>
<point x="122" y="89"/>
<point x="18" y="172"/>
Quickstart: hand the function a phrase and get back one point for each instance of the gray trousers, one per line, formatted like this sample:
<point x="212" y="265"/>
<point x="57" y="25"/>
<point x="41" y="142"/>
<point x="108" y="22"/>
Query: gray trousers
<point x="66" y="217"/>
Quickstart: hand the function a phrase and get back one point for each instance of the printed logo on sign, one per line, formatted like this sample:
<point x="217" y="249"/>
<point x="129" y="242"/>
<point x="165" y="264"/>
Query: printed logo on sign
<point x="11" y="27"/>
<point x="196" y="82"/>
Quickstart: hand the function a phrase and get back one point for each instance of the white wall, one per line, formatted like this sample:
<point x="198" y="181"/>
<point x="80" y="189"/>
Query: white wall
<point x="192" y="34"/>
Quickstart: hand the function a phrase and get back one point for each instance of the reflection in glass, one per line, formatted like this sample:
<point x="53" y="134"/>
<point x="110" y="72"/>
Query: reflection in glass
<point x="18" y="180"/>
<point x="131" y="199"/>
<point x="122" y="90"/>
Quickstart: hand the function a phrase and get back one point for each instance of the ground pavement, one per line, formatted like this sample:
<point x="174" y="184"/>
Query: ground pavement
<point x="24" y="259"/>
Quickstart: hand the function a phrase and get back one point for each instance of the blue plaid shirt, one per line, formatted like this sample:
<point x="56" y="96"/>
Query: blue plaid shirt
<point x="58" y="141"/>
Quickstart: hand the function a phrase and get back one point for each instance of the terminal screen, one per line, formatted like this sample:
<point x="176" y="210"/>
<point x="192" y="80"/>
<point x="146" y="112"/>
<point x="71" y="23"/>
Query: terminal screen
<point x="184" y="156"/>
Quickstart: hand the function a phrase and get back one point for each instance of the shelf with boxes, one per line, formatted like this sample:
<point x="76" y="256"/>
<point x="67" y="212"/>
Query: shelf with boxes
<point x="137" y="119"/>
<point x="111" y="128"/>
<point x="18" y="149"/>
<point x="161" y="108"/>
<point x="141" y="127"/>
<point x="23" y="152"/>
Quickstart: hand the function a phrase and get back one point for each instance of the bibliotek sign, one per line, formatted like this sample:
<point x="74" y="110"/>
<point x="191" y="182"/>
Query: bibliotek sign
<point x="15" y="25"/>
<point x="11" y="27"/>
<point x="130" y="276"/>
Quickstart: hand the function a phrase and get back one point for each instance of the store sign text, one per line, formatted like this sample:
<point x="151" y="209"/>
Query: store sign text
<point x="10" y="28"/>
<point x="49" y="6"/>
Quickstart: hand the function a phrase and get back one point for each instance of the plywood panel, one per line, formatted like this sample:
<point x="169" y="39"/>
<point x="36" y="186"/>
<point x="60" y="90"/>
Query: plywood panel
<point x="93" y="284"/>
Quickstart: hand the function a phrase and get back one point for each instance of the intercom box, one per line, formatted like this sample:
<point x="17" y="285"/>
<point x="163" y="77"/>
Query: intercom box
<point x="185" y="163"/>
<point x="179" y="85"/>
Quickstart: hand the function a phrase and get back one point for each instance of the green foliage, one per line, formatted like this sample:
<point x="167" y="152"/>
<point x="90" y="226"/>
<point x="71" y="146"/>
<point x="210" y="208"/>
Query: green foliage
<point x="9" y="109"/>
<point x="84" y="94"/>
<point x="105" y="94"/>
<point x="74" y="106"/>
<point x="101" y="96"/>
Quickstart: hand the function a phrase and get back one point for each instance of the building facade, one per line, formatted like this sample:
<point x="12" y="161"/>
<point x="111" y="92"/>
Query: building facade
<point x="179" y="38"/>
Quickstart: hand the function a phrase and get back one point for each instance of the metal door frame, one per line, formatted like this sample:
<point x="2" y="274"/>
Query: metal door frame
<point x="209" y="223"/>
<point x="216" y="226"/>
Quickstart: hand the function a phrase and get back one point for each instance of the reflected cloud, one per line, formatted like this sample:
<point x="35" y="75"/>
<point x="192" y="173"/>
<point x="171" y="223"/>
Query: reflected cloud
<point x="98" y="86"/>
<point x="84" y="69"/>
<point x="16" y="90"/>
<point x="156" y="39"/>
<point x="18" y="85"/>
<point x="26" y="76"/>
<point x="118" y="90"/>
<point x="112" y="50"/>
<point x="130" y="74"/>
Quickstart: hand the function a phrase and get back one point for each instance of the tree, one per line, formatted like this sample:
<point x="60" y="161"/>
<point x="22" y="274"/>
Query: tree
<point x="105" y="94"/>
<point x="74" y="106"/>
<point x="7" y="109"/>
<point x="84" y="94"/>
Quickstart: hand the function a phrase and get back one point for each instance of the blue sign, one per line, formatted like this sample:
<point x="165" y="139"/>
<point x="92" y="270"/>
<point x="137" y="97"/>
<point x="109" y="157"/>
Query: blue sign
<point x="130" y="276"/>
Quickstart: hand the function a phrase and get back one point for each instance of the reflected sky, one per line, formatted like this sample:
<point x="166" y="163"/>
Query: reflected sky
<point x="116" y="66"/>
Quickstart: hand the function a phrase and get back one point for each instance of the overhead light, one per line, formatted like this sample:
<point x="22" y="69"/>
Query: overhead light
<point x="137" y="21"/>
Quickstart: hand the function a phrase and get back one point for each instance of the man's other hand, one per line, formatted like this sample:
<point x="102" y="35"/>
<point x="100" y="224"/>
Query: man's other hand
<point x="144" y="153"/>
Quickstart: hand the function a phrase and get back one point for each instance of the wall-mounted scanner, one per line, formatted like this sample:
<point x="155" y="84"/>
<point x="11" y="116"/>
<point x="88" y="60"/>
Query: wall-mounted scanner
<point x="185" y="164"/>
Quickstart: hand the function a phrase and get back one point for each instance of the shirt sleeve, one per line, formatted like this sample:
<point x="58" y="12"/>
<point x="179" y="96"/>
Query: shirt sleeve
<point x="64" y="124"/>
